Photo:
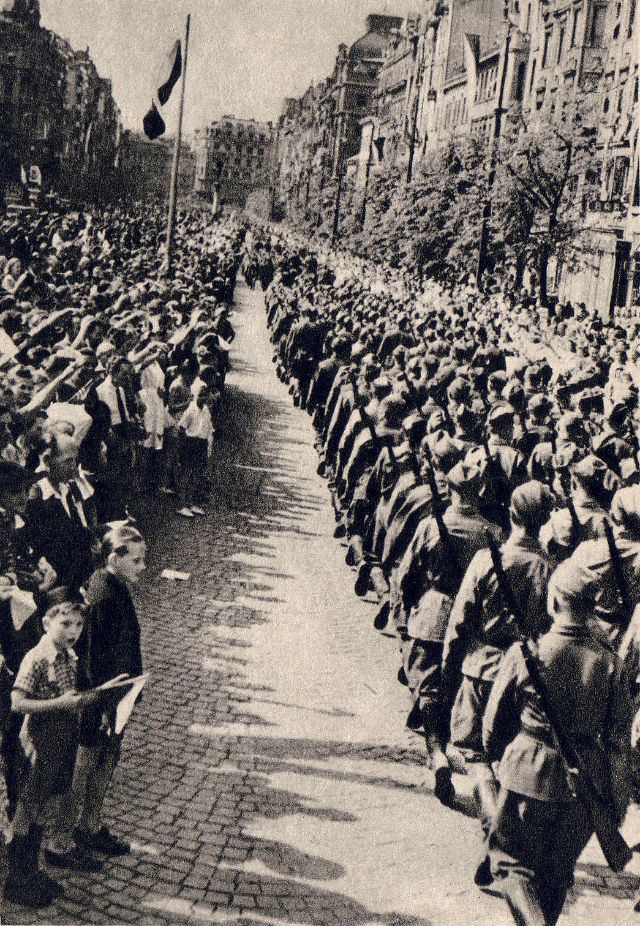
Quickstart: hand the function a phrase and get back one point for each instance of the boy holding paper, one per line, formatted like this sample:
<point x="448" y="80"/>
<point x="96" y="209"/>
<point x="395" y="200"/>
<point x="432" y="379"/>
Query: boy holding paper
<point x="45" y="692"/>
<point x="109" y="647"/>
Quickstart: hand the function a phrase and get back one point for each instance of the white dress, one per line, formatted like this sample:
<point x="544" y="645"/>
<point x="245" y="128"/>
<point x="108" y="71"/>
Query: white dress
<point x="155" y="415"/>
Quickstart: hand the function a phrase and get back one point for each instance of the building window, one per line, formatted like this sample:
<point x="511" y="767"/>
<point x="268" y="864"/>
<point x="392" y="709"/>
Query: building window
<point x="533" y="75"/>
<point x="545" y="48"/>
<point x="620" y="175"/>
<point x="522" y="70"/>
<point x="598" y="23"/>
<point x="574" y="28"/>
<point x="632" y="16"/>
<point x="560" y="45"/>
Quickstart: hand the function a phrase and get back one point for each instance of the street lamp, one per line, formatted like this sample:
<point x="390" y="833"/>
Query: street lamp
<point x="363" y="208"/>
<point x="483" y="251"/>
<point x="414" y="97"/>
<point x="336" y="212"/>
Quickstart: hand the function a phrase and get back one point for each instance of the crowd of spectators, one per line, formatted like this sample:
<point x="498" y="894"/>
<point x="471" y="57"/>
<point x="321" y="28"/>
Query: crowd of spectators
<point x="113" y="370"/>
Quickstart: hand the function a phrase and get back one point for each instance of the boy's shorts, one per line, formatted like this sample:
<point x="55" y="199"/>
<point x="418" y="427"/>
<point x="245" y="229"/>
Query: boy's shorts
<point x="50" y="746"/>
<point x="194" y="453"/>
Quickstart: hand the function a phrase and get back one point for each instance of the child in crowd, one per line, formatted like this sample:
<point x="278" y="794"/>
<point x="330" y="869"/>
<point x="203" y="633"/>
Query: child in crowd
<point x="109" y="647"/>
<point x="196" y="431"/>
<point x="45" y="692"/>
<point x="178" y="400"/>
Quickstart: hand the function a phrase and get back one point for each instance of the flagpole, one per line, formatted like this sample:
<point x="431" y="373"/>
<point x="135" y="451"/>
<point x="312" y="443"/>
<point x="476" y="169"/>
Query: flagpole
<point x="173" y="188"/>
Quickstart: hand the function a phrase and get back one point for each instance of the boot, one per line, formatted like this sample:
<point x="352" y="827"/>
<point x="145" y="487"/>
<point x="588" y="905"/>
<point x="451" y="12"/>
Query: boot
<point x="487" y="797"/>
<point x="523" y="902"/>
<point x="414" y="720"/>
<point x="340" y="530"/>
<point x="355" y="551"/>
<point x="482" y="876"/>
<point x="443" y="789"/>
<point x="34" y="840"/>
<point x="23" y="885"/>
<point x="553" y="898"/>
<point x="381" y="619"/>
<point x="361" y="586"/>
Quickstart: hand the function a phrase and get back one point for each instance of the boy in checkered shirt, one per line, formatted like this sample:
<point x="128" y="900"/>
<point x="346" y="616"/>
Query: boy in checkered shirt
<point x="45" y="692"/>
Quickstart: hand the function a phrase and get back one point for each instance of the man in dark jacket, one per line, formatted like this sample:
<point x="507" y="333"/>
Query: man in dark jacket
<point x="60" y="514"/>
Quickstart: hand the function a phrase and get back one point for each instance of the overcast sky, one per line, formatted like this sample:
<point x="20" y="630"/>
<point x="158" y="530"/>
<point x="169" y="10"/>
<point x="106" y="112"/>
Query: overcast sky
<point x="245" y="56"/>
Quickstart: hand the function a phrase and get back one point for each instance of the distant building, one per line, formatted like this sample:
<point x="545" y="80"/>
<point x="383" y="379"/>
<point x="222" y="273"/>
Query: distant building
<point x="57" y="114"/>
<point x="465" y="81"/>
<point x="302" y="147"/>
<point x="318" y="133"/>
<point x="589" y="52"/>
<point x="91" y="128"/>
<point x="144" y="167"/>
<point x="31" y="96"/>
<point x="353" y="85"/>
<point x="233" y="156"/>
<point x="187" y="168"/>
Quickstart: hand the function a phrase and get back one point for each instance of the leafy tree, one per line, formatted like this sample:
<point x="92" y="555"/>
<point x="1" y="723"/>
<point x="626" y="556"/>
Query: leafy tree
<point x="546" y="161"/>
<point x="546" y="166"/>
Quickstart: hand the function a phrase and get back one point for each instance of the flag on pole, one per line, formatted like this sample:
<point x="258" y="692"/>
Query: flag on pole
<point x="167" y="77"/>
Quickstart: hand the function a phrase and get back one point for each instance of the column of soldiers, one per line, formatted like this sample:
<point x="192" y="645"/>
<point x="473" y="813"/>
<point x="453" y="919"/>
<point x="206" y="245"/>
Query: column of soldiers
<point x="493" y="509"/>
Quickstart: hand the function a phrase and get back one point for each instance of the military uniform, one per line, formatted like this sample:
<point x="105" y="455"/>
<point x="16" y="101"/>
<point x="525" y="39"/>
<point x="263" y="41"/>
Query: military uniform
<point x="540" y="829"/>
<point x="481" y="628"/>
<point x="428" y="580"/>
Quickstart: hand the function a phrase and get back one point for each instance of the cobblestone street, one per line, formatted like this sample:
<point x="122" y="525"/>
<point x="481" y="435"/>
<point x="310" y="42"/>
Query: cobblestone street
<point x="267" y="776"/>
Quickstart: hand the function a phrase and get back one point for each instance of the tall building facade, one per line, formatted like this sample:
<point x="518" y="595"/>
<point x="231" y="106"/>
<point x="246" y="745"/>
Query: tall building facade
<point x="455" y="67"/>
<point x="588" y="53"/>
<point x="232" y="158"/>
<point x="32" y="75"/>
<point x="318" y="133"/>
<point x="352" y="87"/>
<point x="92" y="127"/>
<point x="303" y="147"/>
<point x="389" y="131"/>
<point x="57" y="114"/>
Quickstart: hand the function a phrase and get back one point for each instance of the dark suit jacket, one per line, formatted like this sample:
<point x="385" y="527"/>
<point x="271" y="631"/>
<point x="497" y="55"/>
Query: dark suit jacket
<point x="61" y="539"/>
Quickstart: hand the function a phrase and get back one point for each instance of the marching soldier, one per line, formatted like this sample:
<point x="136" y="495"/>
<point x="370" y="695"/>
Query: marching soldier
<point x="481" y="629"/>
<point x="588" y="487"/>
<point x="612" y="444"/>
<point x="430" y="575"/>
<point x="611" y="564"/>
<point x="541" y="827"/>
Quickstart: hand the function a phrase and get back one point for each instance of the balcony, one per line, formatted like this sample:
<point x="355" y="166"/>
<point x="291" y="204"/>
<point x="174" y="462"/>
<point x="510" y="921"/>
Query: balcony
<point x="614" y="204"/>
